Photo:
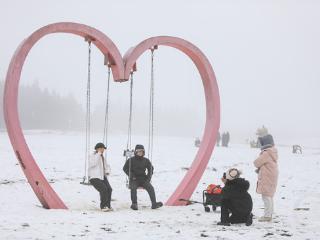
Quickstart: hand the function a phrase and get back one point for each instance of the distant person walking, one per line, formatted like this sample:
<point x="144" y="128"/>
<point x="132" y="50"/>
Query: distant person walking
<point x="267" y="168"/>
<point x="227" y="139"/>
<point x="197" y="142"/>
<point x="218" y="139"/>
<point x="223" y="139"/>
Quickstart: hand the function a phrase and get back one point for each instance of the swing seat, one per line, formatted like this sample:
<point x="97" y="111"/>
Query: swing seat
<point x="128" y="153"/>
<point x="86" y="183"/>
<point x="88" y="39"/>
<point x="139" y="188"/>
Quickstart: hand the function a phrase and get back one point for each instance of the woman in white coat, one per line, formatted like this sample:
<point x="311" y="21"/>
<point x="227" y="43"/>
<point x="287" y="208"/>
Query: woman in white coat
<point x="98" y="171"/>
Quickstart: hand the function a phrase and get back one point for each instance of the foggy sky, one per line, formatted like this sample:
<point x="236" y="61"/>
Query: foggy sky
<point x="265" y="55"/>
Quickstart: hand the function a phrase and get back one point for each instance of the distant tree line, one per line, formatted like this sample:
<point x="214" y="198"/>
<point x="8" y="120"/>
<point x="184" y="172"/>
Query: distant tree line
<point x="41" y="109"/>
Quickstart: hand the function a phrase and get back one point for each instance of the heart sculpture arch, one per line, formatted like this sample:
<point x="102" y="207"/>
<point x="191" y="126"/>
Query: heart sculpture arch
<point x="121" y="68"/>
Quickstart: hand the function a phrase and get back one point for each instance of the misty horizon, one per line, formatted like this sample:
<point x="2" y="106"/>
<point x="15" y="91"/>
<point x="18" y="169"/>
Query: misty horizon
<point x="265" y="57"/>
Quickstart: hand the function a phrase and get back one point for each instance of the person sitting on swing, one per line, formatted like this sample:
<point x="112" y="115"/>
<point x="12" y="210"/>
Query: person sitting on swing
<point x="97" y="172"/>
<point x="135" y="168"/>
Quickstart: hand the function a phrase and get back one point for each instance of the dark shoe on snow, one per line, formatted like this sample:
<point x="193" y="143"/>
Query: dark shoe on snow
<point x="157" y="205"/>
<point x="134" y="206"/>
<point x="249" y="220"/>
<point x="224" y="224"/>
<point x="107" y="209"/>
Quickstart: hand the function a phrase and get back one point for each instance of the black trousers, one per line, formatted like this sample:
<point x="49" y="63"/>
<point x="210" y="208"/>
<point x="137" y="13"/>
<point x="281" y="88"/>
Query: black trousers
<point x="105" y="190"/>
<point x="237" y="215"/>
<point x="135" y="184"/>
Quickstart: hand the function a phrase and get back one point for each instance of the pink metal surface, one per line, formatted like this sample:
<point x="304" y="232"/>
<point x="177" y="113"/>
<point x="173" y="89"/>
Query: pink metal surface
<point x="191" y="179"/>
<point x="121" y="71"/>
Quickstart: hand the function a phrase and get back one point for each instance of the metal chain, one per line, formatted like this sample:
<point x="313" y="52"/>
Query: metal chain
<point x="130" y="129"/>
<point x="151" y="109"/>
<point x="106" y="116"/>
<point x="88" y="113"/>
<point x="130" y="113"/>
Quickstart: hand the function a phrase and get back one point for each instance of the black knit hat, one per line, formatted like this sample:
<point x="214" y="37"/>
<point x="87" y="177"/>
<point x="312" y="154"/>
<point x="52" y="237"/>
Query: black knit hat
<point x="266" y="141"/>
<point x="100" y="145"/>
<point x="139" y="147"/>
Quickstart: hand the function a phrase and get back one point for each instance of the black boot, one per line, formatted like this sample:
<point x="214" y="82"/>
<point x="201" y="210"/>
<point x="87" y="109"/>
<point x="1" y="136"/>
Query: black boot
<point x="224" y="224"/>
<point x="157" y="205"/>
<point x="249" y="220"/>
<point x="134" y="206"/>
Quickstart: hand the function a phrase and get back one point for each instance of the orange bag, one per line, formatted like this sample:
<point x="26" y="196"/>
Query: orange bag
<point x="214" y="189"/>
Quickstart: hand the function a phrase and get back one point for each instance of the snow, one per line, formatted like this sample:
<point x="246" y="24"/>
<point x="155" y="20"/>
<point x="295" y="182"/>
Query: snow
<point x="60" y="155"/>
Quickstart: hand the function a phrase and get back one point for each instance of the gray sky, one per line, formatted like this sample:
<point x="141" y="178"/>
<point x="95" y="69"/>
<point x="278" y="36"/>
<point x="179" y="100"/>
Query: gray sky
<point x="265" y="54"/>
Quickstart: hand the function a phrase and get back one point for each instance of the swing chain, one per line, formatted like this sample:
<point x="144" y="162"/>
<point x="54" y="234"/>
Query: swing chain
<point x="129" y="146"/>
<point x="151" y="117"/>
<point x="130" y="113"/>
<point x="106" y="116"/>
<point x="151" y="107"/>
<point x="88" y="113"/>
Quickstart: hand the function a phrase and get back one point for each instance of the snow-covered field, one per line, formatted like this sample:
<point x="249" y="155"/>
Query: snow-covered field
<point x="60" y="156"/>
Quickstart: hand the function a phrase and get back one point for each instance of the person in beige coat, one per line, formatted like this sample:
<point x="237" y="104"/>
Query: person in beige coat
<point x="267" y="168"/>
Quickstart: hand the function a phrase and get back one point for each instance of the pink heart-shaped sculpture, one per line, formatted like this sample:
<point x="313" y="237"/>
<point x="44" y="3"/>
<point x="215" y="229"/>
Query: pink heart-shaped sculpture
<point x="121" y="68"/>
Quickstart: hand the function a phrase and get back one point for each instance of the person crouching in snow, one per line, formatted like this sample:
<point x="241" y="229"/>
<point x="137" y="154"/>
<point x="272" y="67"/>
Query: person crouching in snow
<point x="135" y="168"/>
<point x="267" y="169"/>
<point x="98" y="171"/>
<point x="235" y="199"/>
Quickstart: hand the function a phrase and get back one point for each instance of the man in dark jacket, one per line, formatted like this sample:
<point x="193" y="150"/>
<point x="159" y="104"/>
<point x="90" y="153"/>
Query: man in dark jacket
<point x="135" y="168"/>
<point x="235" y="199"/>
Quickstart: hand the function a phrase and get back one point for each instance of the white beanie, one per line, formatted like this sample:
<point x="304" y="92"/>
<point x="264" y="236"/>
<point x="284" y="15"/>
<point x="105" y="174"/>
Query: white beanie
<point x="232" y="174"/>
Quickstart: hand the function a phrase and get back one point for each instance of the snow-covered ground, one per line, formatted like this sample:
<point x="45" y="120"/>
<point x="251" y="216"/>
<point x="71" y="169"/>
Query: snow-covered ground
<point x="60" y="156"/>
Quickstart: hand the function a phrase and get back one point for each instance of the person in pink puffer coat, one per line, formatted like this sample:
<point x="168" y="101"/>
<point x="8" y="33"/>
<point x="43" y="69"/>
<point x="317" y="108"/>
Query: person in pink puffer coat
<point x="267" y="168"/>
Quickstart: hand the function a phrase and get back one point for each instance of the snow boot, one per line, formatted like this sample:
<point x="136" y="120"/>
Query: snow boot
<point x="157" y="205"/>
<point x="249" y="220"/>
<point x="223" y="224"/>
<point x="134" y="206"/>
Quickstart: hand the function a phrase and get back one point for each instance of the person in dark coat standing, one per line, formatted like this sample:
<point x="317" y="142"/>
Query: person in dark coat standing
<point x="218" y="139"/>
<point x="227" y="138"/>
<point x="235" y="199"/>
<point x="135" y="168"/>
<point x="223" y="139"/>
